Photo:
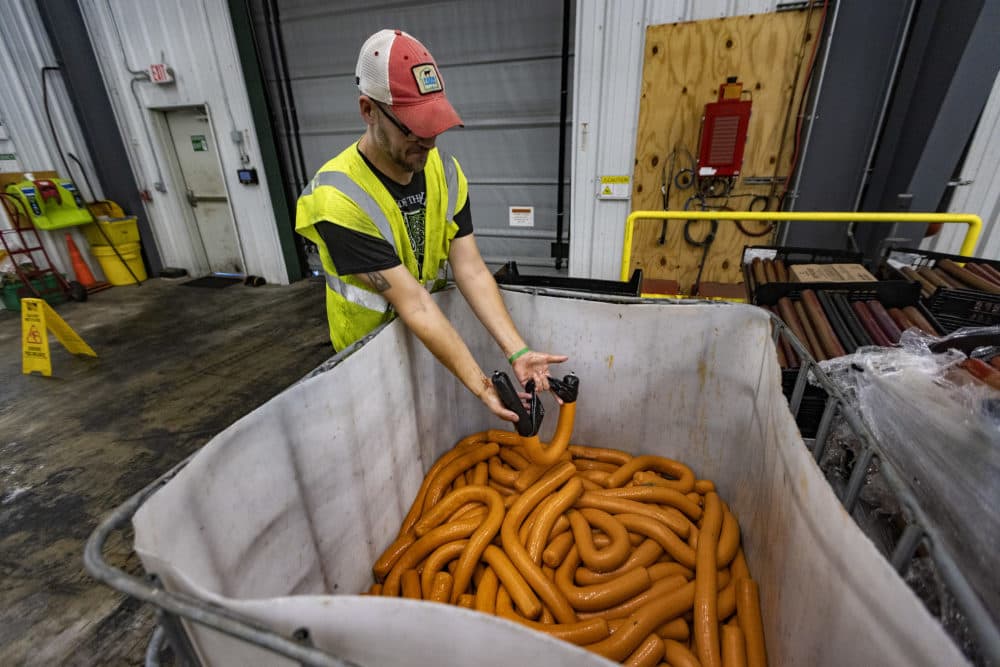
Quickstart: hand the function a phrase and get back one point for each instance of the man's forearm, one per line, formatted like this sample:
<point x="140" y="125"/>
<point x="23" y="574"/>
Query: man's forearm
<point x="429" y="324"/>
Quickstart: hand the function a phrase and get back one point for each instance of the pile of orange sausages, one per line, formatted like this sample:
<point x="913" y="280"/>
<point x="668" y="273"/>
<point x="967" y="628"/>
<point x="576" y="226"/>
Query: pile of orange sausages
<point x="631" y="557"/>
<point x="830" y="325"/>
<point x="949" y="275"/>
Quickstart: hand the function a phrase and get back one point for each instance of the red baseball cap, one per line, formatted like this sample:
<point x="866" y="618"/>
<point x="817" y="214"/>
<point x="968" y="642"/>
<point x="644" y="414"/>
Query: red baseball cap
<point x="396" y="69"/>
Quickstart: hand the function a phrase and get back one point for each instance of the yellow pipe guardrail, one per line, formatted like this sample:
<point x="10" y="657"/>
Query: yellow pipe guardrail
<point x="974" y="222"/>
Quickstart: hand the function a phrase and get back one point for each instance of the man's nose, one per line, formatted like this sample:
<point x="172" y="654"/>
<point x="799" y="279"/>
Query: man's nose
<point x="427" y="143"/>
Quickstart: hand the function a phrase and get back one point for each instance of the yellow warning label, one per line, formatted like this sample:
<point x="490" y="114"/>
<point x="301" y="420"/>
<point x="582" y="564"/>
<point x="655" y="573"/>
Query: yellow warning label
<point x="37" y="318"/>
<point x="606" y="190"/>
<point x="614" y="179"/>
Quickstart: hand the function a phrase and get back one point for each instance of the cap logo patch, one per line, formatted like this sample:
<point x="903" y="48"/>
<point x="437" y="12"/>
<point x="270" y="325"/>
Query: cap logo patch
<point x="428" y="79"/>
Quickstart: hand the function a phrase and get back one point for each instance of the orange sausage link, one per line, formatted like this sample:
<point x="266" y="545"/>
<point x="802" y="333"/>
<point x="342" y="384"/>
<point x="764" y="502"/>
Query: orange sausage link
<point x="644" y="621"/>
<point x="597" y="477"/>
<point x="613" y="505"/>
<point x="644" y="555"/>
<point x="376" y="589"/>
<point x="729" y="539"/>
<point x="553" y="598"/>
<point x="441" y="588"/>
<point x="600" y="466"/>
<point x="513" y="581"/>
<point x="659" y="495"/>
<point x="557" y="549"/>
<point x="417" y="508"/>
<point x="727" y="601"/>
<point x="579" y="633"/>
<point x="392" y="554"/>
<point x="678" y="655"/>
<point x="625" y="609"/>
<point x="676" y="629"/>
<point x="748" y="613"/>
<point x="479" y="540"/>
<point x="666" y="538"/>
<point x="467" y="600"/>
<point x="538" y="453"/>
<point x="503" y="437"/>
<point x="609" y="558"/>
<point x="486" y="592"/>
<point x="501" y="474"/>
<point x="734" y="650"/>
<point x="458" y="530"/>
<point x="513" y="458"/>
<point x="603" y="454"/>
<point x="649" y="653"/>
<point x="704" y="486"/>
<point x="739" y="566"/>
<point x="599" y="596"/>
<point x="411" y="585"/>
<point x="681" y="473"/>
<point x="706" y="592"/>
<point x="551" y="510"/>
<point x="468" y="459"/>
<point x="530" y="475"/>
<point x="480" y="474"/>
<point x="662" y="570"/>
<point x="439" y="557"/>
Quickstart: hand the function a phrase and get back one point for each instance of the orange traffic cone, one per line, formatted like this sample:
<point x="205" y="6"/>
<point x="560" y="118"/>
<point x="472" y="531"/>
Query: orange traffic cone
<point x="80" y="268"/>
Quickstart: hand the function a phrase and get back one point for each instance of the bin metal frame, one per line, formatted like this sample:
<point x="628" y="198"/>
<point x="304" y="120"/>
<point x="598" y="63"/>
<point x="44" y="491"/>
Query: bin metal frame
<point x="920" y="531"/>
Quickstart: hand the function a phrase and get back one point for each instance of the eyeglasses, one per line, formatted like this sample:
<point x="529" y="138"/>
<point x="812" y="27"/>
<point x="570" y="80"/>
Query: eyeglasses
<point x="395" y="121"/>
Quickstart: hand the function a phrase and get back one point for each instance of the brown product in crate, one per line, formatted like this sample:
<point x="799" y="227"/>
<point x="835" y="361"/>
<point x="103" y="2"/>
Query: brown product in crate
<point x="926" y="287"/>
<point x="884" y="321"/>
<point x="817" y="349"/>
<point x="918" y="320"/>
<point x="786" y="310"/>
<point x="831" y="345"/>
<point x="991" y="272"/>
<point x="934" y="277"/>
<point x="900" y="318"/>
<point x="967" y="277"/>
<point x="948" y="279"/>
<point x="977" y="270"/>
<point x="781" y="271"/>
<point x="769" y="271"/>
<point x="871" y="326"/>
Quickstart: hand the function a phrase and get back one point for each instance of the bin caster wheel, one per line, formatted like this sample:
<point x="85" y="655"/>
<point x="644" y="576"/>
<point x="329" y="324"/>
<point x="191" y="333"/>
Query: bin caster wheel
<point x="77" y="292"/>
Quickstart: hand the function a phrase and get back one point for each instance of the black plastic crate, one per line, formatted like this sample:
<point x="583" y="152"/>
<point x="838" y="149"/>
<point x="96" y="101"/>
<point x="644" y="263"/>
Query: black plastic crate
<point x="791" y="256"/>
<point x="810" y="407"/>
<point x="953" y="308"/>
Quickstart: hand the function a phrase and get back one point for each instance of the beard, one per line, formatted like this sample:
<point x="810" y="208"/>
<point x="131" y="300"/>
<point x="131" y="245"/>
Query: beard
<point x="410" y="156"/>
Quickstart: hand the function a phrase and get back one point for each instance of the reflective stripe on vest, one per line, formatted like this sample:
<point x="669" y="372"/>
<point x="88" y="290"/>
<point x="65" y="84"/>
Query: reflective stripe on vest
<point x="355" y="294"/>
<point x="451" y="183"/>
<point x="357" y="194"/>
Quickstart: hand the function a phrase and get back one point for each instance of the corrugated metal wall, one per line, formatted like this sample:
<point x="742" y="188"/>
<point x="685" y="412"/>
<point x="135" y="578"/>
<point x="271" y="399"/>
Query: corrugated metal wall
<point x="195" y="38"/>
<point x="607" y="81"/>
<point x="24" y="50"/>
<point x="501" y="66"/>
<point x="982" y="197"/>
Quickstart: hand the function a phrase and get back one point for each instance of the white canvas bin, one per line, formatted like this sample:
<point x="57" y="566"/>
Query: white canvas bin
<point x="281" y="516"/>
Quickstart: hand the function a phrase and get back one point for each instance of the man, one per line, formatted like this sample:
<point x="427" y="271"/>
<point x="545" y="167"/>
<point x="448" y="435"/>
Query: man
<point x="391" y="212"/>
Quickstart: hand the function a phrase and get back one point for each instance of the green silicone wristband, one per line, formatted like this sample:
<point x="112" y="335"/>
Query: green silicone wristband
<point x="517" y="355"/>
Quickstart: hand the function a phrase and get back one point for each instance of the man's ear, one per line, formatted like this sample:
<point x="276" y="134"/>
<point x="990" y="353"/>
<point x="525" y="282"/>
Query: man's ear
<point x="367" y="109"/>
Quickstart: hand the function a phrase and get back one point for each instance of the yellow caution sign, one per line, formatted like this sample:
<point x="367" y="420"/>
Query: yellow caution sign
<point x="37" y="318"/>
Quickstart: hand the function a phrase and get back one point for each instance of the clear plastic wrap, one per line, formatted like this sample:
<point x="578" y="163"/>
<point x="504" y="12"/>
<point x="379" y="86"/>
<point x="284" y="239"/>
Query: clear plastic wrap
<point x="941" y="429"/>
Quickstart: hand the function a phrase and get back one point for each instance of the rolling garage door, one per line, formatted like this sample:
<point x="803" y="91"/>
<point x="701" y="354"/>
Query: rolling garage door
<point x="502" y="65"/>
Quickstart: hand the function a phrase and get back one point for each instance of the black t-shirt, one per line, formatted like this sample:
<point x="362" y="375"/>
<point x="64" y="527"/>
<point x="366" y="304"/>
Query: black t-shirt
<point x="355" y="252"/>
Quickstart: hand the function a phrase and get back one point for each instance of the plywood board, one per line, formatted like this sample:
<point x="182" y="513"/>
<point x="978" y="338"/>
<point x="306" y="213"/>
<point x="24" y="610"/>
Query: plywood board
<point x="685" y="63"/>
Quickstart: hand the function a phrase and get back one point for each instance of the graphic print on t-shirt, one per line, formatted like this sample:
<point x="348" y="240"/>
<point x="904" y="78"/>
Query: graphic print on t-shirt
<point x="414" y="214"/>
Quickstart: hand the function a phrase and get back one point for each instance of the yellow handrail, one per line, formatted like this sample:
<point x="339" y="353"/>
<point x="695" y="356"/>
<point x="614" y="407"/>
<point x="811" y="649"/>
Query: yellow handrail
<point x="974" y="222"/>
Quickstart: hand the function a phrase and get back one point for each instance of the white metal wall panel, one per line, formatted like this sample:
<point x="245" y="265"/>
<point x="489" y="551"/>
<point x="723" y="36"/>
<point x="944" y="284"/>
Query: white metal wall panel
<point x="195" y="38"/>
<point x="982" y="197"/>
<point x="501" y="66"/>
<point x="24" y="50"/>
<point x="607" y="80"/>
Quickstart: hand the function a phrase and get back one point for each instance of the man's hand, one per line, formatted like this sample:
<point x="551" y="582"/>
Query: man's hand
<point x="491" y="399"/>
<point x="535" y="366"/>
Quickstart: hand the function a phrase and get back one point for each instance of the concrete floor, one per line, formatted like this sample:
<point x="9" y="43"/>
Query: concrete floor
<point x="176" y="365"/>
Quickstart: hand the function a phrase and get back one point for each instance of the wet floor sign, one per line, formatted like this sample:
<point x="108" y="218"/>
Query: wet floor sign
<point x="37" y="319"/>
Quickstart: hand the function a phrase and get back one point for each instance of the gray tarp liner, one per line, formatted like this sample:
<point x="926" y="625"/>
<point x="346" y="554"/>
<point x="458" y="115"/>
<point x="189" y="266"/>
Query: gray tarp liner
<point x="281" y="516"/>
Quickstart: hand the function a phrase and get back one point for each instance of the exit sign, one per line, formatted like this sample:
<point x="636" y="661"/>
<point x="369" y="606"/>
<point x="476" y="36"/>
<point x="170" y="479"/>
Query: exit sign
<point x="160" y="73"/>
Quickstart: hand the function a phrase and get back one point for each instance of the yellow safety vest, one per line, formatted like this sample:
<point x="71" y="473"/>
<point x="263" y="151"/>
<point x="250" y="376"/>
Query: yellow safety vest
<point x="346" y="192"/>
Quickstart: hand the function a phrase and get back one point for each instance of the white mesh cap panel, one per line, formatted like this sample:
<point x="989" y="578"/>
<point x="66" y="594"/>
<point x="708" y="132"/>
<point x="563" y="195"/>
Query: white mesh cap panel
<point x="373" y="70"/>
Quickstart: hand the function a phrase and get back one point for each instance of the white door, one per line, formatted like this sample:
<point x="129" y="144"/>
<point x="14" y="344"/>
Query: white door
<point x="198" y="159"/>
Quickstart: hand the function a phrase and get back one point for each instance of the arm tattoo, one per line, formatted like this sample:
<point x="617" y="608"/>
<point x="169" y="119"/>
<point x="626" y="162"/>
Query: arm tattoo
<point x="378" y="281"/>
